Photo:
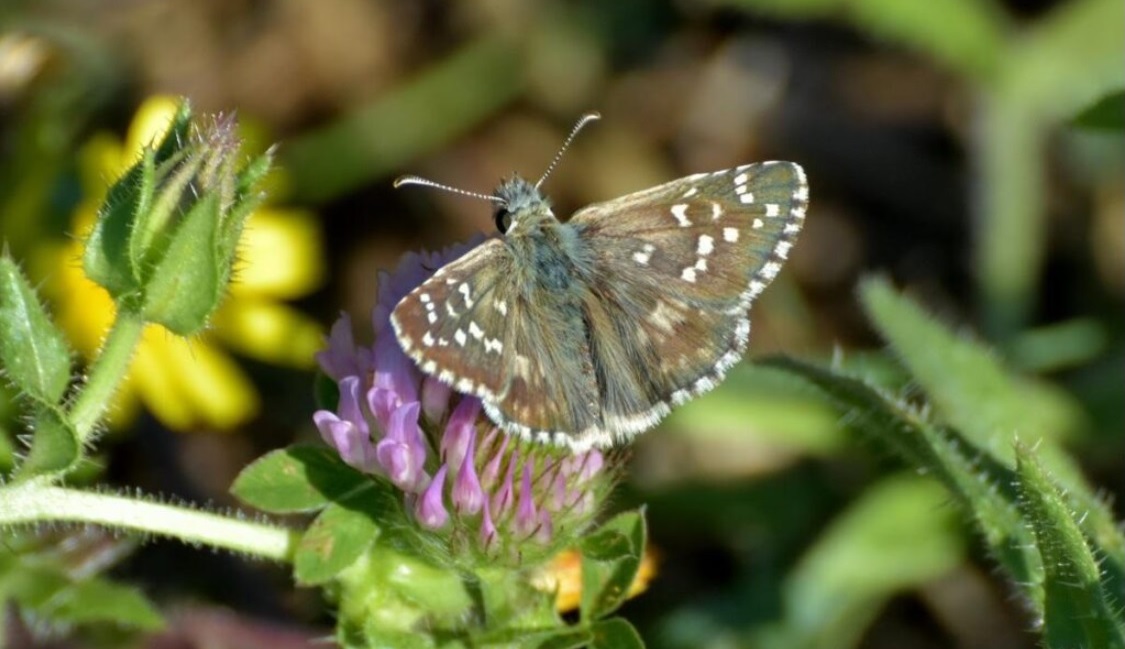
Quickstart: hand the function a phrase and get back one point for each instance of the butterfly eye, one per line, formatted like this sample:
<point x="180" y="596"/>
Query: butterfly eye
<point x="503" y="219"/>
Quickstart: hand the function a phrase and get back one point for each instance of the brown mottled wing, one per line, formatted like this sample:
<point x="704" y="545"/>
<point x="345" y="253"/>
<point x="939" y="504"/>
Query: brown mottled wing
<point x="522" y="351"/>
<point x="450" y="325"/>
<point x="676" y="268"/>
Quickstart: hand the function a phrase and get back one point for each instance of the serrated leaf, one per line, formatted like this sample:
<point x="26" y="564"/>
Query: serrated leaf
<point x="615" y="633"/>
<point x="982" y="486"/>
<point x="54" y="444"/>
<point x="1079" y="612"/>
<point x="98" y="600"/>
<point x="34" y="355"/>
<point x="609" y="566"/>
<point x="297" y="479"/>
<point x="965" y="381"/>
<point x="989" y="405"/>
<point x="334" y="541"/>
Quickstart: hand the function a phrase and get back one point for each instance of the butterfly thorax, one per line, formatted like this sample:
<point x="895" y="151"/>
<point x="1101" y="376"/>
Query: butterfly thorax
<point x="548" y="253"/>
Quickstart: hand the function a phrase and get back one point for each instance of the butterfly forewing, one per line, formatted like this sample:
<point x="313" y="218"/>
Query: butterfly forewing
<point x="475" y="327"/>
<point x="451" y="325"/>
<point x="680" y="264"/>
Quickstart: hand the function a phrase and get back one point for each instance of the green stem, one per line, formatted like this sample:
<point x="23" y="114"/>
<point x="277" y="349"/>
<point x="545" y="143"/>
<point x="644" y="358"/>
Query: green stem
<point x="106" y="373"/>
<point x="36" y="502"/>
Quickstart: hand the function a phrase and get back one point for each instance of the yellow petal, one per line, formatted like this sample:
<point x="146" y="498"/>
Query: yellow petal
<point x="99" y="165"/>
<point x="148" y="127"/>
<point x="564" y="576"/>
<point x="187" y="384"/>
<point x="268" y="331"/>
<point x="279" y="255"/>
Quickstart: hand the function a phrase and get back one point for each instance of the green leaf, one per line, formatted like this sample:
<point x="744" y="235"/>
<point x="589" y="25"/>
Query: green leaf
<point x="615" y="633"/>
<point x="900" y="534"/>
<point x="106" y="257"/>
<point x="98" y="600"/>
<point x="296" y="479"/>
<point x="1069" y="59"/>
<point x="54" y="444"/>
<point x="34" y="355"/>
<point x="189" y="281"/>
<point x="57" y="597"/>
<point x="610" y="559"/>
<point x="1079" y="611"/>
<point x="1106" y="114"/>
<point x="570" y="639"/>
<point x="607" y="545"/>
<point x="334" y="541"/>
<point x="965" y="381"/>
<point x="983" y="486"/>
<point x="989" y="405"/>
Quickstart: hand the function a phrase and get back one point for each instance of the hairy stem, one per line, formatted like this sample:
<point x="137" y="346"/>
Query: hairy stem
<point x="106" y="373"/>
<point x="37" y="502"/>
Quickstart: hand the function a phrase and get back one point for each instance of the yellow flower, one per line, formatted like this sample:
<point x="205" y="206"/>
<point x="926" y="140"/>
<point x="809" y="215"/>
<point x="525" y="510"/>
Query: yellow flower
<point x="563" y="576"/>
<point x="193" y="383"/>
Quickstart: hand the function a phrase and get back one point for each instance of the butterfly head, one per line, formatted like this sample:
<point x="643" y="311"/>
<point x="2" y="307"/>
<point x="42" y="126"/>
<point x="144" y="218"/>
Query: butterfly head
<point x="516" y="199"/>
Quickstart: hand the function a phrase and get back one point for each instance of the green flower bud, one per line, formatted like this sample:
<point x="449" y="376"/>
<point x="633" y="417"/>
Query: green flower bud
<point x="166" y="235"/>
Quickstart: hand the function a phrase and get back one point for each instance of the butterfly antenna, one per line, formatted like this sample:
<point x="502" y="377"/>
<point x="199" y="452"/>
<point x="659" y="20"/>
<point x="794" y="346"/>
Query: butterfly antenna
<point x="415" y="180"/>
<point x="582" y="121"/>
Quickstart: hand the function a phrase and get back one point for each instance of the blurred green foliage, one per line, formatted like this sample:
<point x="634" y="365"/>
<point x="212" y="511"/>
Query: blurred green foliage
<point x="779" y="502"/>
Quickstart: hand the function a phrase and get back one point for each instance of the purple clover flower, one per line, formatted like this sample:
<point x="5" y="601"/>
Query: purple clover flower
<point x="458" y="474"/>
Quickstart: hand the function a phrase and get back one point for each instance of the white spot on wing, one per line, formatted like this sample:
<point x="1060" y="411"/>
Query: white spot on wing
<point x="741" y="179"/>
<point x="643" y="255"/>
<point x="691" y="192"/>
<point x="783" y="249"/>
<point x="460" y="337"/>
<point x="428" y="339"/>
<point x="730" y="235"/>
<point x="758" y="223"/>
<point x="501" y="306"/>
<point x="679" y="211"/>
<point x="716" y="210"/>
<point x="464" y="290"/>
<point x="475" y="331"/>
<point x="746" y="198"/>
<point x="773" y="209"/>
<point x="688" y="275"/>
<point x="706" y="245"/>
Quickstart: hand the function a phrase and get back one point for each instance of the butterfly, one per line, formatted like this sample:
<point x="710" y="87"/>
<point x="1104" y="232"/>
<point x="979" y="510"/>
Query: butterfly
<point x="586" y="332"/>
